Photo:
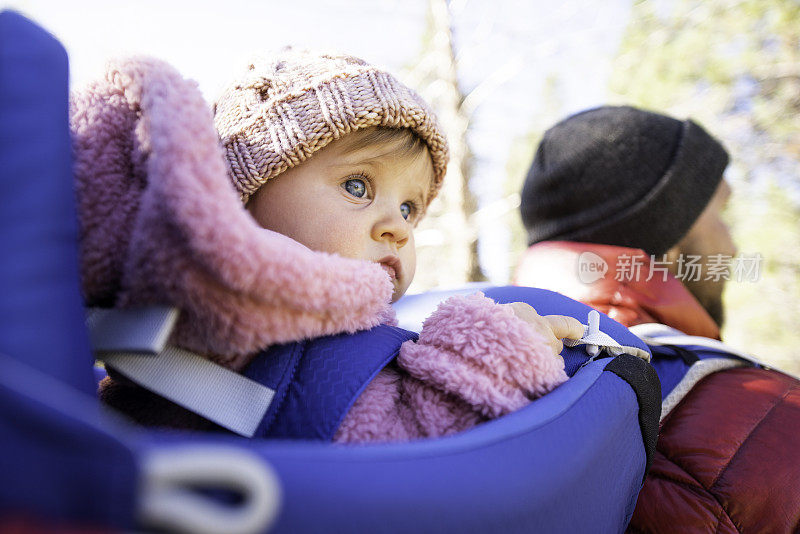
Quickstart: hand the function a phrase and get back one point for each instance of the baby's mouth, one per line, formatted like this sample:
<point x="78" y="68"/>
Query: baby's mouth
<point x="391" y="264"/>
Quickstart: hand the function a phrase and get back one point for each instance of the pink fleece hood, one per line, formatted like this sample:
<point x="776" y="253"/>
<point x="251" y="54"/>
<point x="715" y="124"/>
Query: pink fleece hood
<point x="161" y="223"/>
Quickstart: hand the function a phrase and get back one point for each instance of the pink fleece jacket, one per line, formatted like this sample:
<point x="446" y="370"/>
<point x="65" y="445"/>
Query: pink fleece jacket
<point x="475" y="360"/>
<point x="162" y="224"/>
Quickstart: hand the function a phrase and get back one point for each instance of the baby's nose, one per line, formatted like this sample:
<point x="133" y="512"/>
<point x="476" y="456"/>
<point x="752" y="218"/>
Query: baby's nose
<point x="393" y="228"/>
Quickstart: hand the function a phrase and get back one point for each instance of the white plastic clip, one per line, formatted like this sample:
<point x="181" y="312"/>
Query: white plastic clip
<point x="592" y="332"/>
<point x="596" y="341"/>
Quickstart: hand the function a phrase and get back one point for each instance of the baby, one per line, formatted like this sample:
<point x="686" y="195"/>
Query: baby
<point x="367" y="161"/>
<point x="335" y="162"/>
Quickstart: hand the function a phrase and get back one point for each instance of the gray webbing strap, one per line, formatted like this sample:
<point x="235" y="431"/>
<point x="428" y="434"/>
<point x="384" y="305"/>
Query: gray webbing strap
<point x="595" y="341"/>
<point x="696" y="372"/>
<point x="140" y="330"/>
<point x="218" y="394"/>
<point x="651" y="334"/>
<point x="132" y="342"/>
<point x="659" y="334"/>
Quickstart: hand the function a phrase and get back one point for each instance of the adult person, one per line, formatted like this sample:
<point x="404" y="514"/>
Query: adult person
<point x="623" y="212"/>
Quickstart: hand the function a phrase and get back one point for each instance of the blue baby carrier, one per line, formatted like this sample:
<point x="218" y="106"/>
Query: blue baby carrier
<point x="572" y="461"/>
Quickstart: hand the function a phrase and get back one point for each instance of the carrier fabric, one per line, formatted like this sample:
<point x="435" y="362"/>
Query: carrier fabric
<point x="73" y="465"/>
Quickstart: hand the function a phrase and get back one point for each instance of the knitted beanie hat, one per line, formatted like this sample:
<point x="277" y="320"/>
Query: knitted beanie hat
<point x="161" y="224"/>
<point x="288" y="106"/>
<point x="621" y="176"/>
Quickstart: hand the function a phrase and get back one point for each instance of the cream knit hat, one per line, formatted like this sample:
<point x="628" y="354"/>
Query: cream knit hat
<point x="294" y="103"/>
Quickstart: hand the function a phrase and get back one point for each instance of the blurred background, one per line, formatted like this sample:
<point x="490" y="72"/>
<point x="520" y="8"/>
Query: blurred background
<point x="500" y="73"/>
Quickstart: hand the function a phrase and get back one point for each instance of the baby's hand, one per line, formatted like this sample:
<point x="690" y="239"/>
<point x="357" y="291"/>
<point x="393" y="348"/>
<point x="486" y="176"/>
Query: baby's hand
<point x="553" y="328"/>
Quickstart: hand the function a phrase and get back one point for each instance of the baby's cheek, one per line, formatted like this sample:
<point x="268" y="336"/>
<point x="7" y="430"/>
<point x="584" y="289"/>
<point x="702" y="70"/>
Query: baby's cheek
<point x="339" y="236"/>
<point x="411" y="263"/>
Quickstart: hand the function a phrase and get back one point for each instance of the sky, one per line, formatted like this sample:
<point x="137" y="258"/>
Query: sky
<point x="524" y="48"/>
<point x="211" y="41"/>
<point x="562" y="47"/>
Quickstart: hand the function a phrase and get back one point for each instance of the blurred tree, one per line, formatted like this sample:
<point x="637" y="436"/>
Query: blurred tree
<point x="447" y="237"/>
<point x="763" y="316"/>
<point x="521" y="154"/>
<point x="734" y="65"/>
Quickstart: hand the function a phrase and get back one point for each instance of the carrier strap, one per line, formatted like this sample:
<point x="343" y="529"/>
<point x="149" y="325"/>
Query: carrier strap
<point x="142" y="330"/>
<point x="318" y="380"/>
<point x="725" y="357"/>
<point x="659" y="334"/>
<point x="133" y="343"/>
<point x="652" y="335"/>
<point x="696" y="372"/>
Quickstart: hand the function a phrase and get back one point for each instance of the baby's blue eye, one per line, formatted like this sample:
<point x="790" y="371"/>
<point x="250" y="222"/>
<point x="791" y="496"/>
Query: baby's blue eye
<point x="355" y="187"/>
<point x="405" y="209"/>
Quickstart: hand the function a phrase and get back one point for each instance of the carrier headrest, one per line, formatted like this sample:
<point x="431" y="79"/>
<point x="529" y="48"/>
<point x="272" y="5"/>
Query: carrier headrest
<point x="41" y="316"/>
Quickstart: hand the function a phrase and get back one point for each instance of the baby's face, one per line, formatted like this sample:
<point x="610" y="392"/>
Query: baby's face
<point x="360" y="202"/>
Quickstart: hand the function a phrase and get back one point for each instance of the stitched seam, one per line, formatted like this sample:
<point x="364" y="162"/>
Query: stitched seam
<point x="723" y="511"/>
<point x="749" y="435"/>
<point x="334" y="425"/>
<point x="681" y="483"/>
<point x="722" y="470"/>
<point x="266" y="425"/>
<point x="693" y="489"/>
<point x="716" y="479"/>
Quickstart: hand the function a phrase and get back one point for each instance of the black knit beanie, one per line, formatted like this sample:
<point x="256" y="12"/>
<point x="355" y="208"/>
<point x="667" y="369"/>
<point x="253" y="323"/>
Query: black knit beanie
<point x="621" y="176"/>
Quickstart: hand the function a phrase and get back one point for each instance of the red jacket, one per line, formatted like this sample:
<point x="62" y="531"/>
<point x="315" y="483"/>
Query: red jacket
<point x="728" y="456"/>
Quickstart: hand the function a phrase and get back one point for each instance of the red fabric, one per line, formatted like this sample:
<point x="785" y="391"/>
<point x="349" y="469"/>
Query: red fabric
<point x="728" y="456"/>
<point x="554" y="265"/>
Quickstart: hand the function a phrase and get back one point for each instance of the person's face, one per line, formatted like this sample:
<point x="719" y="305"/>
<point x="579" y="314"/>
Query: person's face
<point x="360" y="202"/>
<point x="709" y="236"/>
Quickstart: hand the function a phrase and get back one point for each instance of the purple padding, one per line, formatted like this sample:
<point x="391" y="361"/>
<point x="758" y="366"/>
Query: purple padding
<point x="62" y="460"/>
<point x="41" y="316"/>
<point x="59" y="462"/>
<point x="316" y="381"/>
<point x="572" y="461"/>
